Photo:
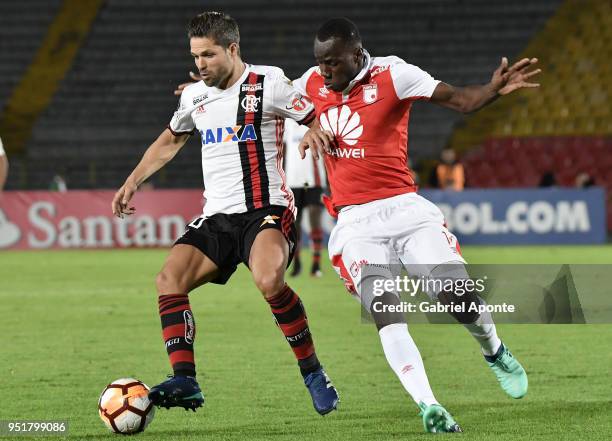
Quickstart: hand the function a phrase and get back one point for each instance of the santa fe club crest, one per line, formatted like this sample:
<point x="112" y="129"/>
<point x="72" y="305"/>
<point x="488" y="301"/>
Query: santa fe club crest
<point x="370" y="93"/>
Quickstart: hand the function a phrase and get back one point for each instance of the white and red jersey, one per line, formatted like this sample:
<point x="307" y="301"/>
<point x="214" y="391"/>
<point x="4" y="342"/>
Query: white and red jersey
<point x="370" y="123"/>
<point x="242" y="138"/>
<point x="307" y="172"/>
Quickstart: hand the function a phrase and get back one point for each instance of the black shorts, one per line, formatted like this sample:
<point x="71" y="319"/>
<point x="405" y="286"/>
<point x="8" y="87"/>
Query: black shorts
<point x="305" y="196"/>
<point x="227" y="238"/>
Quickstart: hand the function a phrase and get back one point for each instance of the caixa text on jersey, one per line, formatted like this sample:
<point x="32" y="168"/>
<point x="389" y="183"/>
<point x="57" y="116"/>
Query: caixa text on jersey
<point x="228" y="134"/>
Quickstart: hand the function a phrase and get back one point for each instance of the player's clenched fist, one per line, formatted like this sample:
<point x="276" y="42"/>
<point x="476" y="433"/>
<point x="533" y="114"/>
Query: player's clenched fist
<point x="122" y="199"/>
<point x="317" y="140"/>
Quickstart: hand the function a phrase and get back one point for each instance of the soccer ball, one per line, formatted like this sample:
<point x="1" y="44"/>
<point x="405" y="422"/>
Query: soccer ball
<point x="124" y="406"/>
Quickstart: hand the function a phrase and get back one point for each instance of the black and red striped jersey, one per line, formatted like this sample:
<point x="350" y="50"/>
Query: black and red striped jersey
<point x="242" y="138"/>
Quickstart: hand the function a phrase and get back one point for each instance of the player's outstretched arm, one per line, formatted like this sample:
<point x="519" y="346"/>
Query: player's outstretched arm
<point x="163" y="149"/>
<point x="504" y="81"/>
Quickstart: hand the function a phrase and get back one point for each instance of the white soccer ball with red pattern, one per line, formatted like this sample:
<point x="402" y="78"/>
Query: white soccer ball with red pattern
<point x="124" y="406"/>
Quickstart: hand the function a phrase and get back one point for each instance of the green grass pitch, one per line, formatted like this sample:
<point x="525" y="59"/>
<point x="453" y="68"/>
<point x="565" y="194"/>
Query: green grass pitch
<point x="74" y="320"/>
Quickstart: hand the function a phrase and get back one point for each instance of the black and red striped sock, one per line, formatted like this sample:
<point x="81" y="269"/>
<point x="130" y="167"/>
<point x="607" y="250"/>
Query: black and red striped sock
<point x="178" y="330"/>
<point x="291" y="319"/>
<point x="316" y="236"/>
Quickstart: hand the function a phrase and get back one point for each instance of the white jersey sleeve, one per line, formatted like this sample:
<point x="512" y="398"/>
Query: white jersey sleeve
<point x="2" y="152"/>
<point x="182" y="121"/>
<point x="410" y="81"/>
<point x="289" y="102"/>
<point x="300" y="83"/>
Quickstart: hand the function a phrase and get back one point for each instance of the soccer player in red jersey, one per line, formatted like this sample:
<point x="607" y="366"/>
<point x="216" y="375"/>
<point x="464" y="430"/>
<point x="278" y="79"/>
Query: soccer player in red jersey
<point x="239" y="110"/>
<point x="363" y="105"/>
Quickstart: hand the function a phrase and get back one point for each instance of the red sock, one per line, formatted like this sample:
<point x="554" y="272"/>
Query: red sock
<point x="178" y="329"/>
<point x="291" y="318"/>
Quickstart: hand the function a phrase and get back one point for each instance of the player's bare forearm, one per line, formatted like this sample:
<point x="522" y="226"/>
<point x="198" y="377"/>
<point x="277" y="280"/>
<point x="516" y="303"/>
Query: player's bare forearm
<point x="163" y="149"/>
<point x="504" y="80"/>
<point x="464" y="99"/>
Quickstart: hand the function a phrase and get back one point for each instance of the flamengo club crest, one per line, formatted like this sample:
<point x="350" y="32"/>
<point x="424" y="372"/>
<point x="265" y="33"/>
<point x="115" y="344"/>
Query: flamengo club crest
<point x="250" y="102"/>
<point x="370" y="93"/>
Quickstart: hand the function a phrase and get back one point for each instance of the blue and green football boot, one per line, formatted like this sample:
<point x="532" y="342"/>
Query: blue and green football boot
<point x="177" y="391"/>
<point x="436" y="419"/>
<point x="509" y="372"/>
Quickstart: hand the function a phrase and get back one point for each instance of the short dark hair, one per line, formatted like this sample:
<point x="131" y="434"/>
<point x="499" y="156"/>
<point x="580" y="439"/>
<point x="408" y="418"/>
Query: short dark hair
<point x="217" y="26"/>
<point x="341" y="28"/>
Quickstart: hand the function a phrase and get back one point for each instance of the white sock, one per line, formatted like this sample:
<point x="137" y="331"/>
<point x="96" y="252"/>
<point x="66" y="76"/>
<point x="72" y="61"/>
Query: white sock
<point x="483" y="330"/>
<point x="405" y="360"/>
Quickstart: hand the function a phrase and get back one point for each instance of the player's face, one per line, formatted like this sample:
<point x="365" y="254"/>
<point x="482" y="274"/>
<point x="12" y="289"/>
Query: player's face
<point x="339" y="63"/>
<point x="215" y="63"/>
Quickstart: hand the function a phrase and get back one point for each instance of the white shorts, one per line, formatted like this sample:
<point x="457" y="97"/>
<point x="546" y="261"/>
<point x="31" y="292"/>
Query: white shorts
<point x="405" y="230"/>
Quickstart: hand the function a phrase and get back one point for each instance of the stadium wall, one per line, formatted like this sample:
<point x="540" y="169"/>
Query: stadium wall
<point x="83" y="219"/>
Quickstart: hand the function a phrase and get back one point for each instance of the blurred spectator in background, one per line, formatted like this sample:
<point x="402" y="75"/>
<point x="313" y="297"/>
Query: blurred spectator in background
<point x="548" y="180"/>
<point x="584" y="180"/>
<point x="3" y="166"/>
<point x="449" y="172"/>
<point x="58" y="183"/>
<point x="307" y="179"/>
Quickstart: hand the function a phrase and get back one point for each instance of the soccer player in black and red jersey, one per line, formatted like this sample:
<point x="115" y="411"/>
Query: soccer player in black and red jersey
<point x="239" y="111"/>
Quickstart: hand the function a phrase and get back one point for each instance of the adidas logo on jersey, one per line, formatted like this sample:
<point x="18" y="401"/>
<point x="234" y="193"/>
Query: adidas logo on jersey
<point x="343" y="124"/>
<point x="228" y="134"/>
